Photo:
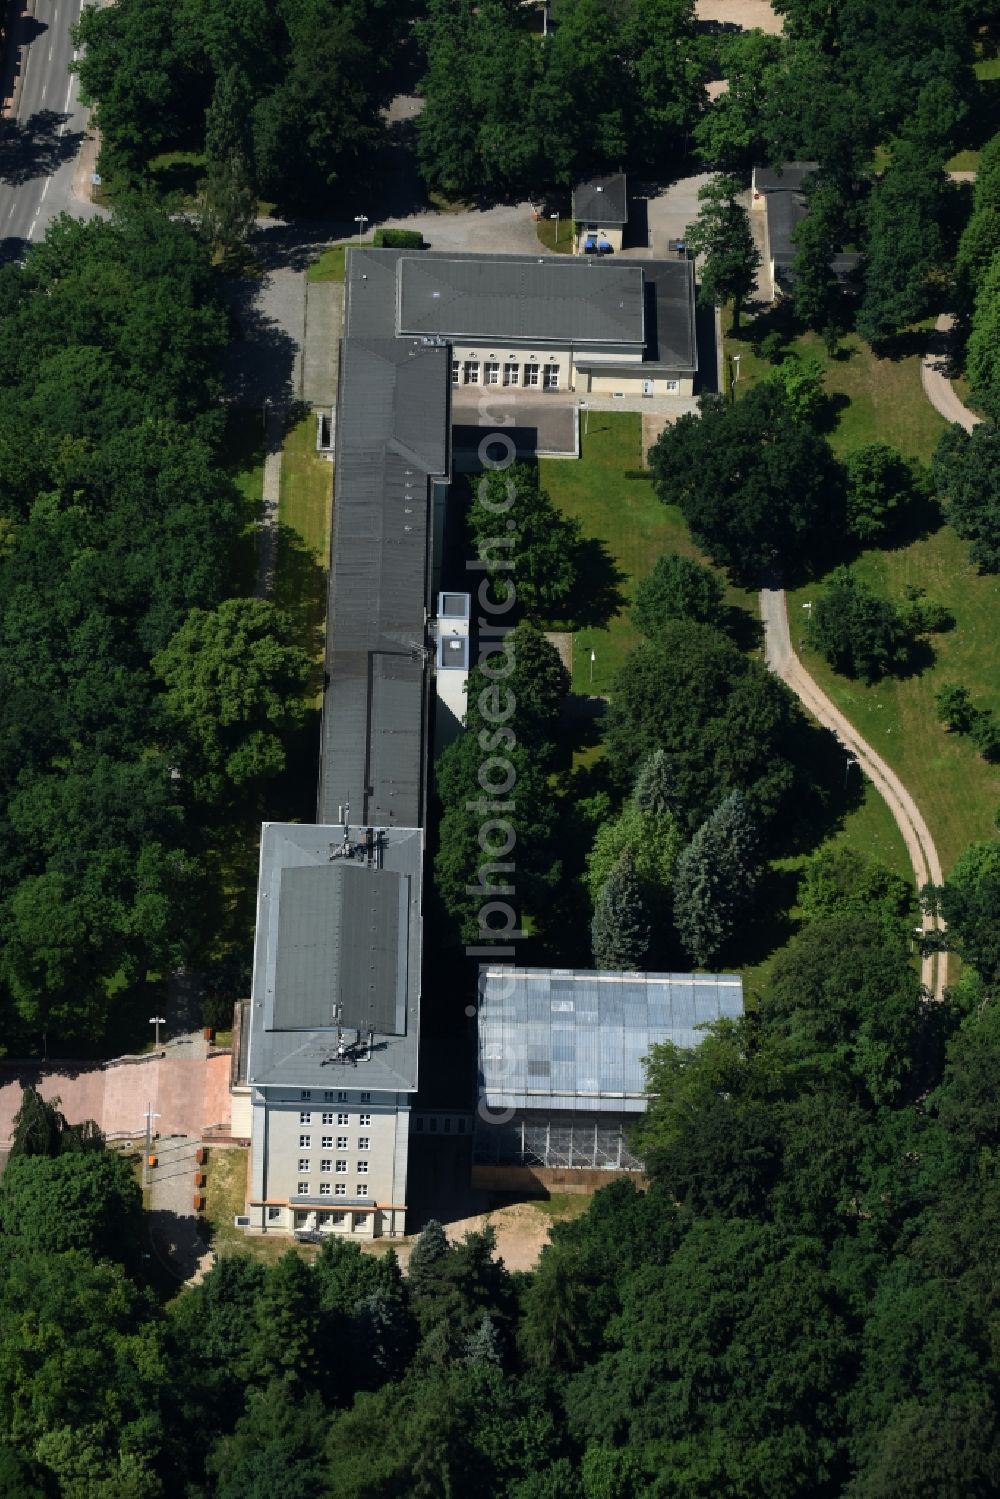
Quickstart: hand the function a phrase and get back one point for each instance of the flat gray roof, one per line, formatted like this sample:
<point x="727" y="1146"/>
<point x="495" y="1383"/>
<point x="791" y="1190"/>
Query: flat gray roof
<point x="565" y="299"/>
<point x="336" y="928"/>
<point x="392" y="441"/>
<point x="601" y="200"/>
<point x="554" y="1038"/>
<point x="788" y="177"/>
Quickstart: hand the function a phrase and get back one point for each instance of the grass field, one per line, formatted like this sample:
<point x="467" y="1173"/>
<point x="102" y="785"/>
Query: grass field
<point x="225" y="1196"/>
<point x="304" y="515"/>
<point x="330" y="265"/>
<point x="547" y="228"/>
<point x="623" y="513"/>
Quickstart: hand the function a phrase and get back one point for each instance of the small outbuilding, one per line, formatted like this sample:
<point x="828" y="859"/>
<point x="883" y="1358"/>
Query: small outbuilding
<point x="779" y="193"/>
<point x="600" y="211"/>
<point x="561" y="1074"/>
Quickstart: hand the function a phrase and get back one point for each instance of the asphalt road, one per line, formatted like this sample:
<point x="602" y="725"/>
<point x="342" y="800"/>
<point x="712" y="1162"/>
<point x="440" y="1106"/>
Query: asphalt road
<point x="39" y="144"/>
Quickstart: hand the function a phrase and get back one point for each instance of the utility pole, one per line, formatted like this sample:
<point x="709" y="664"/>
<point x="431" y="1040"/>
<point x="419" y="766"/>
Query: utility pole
<point x="157" y="1020"/>
<point x="150" y="1116"/>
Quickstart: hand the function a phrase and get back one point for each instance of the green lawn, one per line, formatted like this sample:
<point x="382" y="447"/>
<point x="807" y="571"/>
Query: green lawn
<point x="546" y="230"/>
<point x="225" y="1197"/>
<point x="957" y="792"/>
<point x="305" y="508"/>
<point x="330" y="265"/>
<point x="623" y="513"/>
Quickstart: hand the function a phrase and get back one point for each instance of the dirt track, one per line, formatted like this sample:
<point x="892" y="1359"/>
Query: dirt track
<point x="750" y="14"/>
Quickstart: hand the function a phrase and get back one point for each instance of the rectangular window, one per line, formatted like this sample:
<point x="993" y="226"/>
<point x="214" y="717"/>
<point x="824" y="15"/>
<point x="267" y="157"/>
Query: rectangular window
<point x="341" y="1168"/>
<point x="364" y="1098"/>
<point x="673" y="386"/>
<point x="341" y="1097"/>
<point x="323" y="1220"/>
<point x="338" y="1219"/>
<point x="340" y="1189"/>
<point x="306" y="1093"/>
<point x="363" y="1142"/>
<point x="327" y="1096"/>
<point x="551" y="377"/>
<point x="326" y="1141"/>
<point x="305" y="1142"/>
<point x="303" y="1189"/>
<point x="362" y="1167"/>
<point x="327" y="1118"/>
<point x="360" y="1220"/>
<point x="531" y="374"/>
<point x="301" y="1219"/>
<point x="472" y="372"/>
<point x="491" y="374"/>
<point x="455" y="368"/>
<point x="512" y="374"/>
<point x="303" y="1163"/>
<point x="273" y="1214"/>
<point x="420" y="1126"/>
<point x="364" y="1120"/>
<point x="343" y="1118"/>
<point x="362" y="1190"/>
<point x="461" y="1126"/>
<point x="324" y="1189"/>
<point x="434" y="1125"/>
<point x="326" y="1164"/>
<point x="305" y="1118"/>
<point x="342" y="1142"/>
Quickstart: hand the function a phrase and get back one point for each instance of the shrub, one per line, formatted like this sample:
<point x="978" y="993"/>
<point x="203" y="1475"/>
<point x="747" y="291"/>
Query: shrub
<point x="398" y="239"/>
<point x="858" y="633"/>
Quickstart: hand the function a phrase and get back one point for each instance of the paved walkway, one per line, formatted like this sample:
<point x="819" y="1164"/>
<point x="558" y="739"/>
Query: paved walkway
<point x="170" y="1217"/>
<point x="267" y="540"/>
<point x="919" y="844"/>
<point x="935" y="369"/>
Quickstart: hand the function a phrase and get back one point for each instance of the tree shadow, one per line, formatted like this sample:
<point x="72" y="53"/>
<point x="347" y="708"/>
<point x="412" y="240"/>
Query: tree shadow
<point x="36" y="148"/>
<point x="259" y="364"/>
<point x="597" y="594"/>
<point x="827" y="788"/>
<point x="768" y="925"/>
<point x="745" y="629"/>
<point x="828" y="411"/>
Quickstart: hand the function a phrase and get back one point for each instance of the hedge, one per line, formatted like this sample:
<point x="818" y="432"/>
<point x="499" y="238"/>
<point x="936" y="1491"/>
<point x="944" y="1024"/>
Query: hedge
<point x="398" y="239"/>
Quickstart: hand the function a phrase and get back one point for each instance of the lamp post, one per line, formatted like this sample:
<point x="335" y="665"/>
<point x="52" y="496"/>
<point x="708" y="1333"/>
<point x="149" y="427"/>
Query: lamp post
<point x="150" y="1116"/>
<point x="847" y="768"/>
<point x="361" y="220"/>
<point x="585" y="408"/>
<point x="593" y="658"/>
<point x="735" y="360"/>
<point x="556" y="217"/>
<point x="157" y="1020"/>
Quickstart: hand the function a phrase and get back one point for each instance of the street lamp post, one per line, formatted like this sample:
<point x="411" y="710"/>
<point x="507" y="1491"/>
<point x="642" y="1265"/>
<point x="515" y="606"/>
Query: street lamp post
<point x="157" y="1020"/>
<point x="736" y="368"/>
<point x="556" y="217"/>
<point x="847" y="768"/>
<point x="361" y="220"/>
<point x="150" y="1116"/>
<point x="585" y="408"/>
<point x="593" y="658"/>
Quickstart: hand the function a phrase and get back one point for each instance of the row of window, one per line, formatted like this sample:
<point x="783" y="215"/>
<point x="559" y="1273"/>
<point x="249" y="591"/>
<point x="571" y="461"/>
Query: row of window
<point x="328" y="1164"/>
<point x="467" y="372"/>
<point x="333" y="1189"/>
<point x="364" y="1120"/>
<point x="323" y="1220"/>
<point x="326" y="1141"/>
<point x="339" y="1096"/>
<point x="432" y="1125"/>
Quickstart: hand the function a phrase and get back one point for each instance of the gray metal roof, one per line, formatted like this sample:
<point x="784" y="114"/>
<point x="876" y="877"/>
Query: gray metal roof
<point x="393" y="439"/>
<point x="564" y="299"/>
<point x="601" y="200"/>
<point x="335" y="929"/>
<point x="788" y="177"/>
<point x="576" y="1039"/>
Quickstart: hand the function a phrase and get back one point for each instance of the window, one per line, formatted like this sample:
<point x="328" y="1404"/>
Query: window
<point x="326" y="1164"/>
<point x="340" y="1189"/>
<point x="327" y="1118"/>
<point x="342" y="1142"/>
<point x="303" y="1163"/>
<point x="327" y="1096"/>
<point x="447" y="1126"/>
<point x="454" y="371"/>
<point x="305" y="1142"/>
<point x="420" y="1126"/>
<point x="360" y="1220"/>
<point x="550" y="379"/>
<point x="531" y="373"/>
<point x="472" y="372"/>
<point x="323" y="1220"/>
<point x="343" y="1119"/>
<point x="362" y="1190"/>
<point x="341" y="1097"/>
<point x="673" y="386"/>
<point x="305" y="1118"/>
<point x="273" y="1214"/>
<point x="434" y="1125"/>
<point x="363" y="1142"/>
<point x="338" y="1219"/>
<point x="362" y="1167"/>
<point x="324" y="1189"/>
<point x="327" y="1142"/>
<point x="303" y="1189"/>
<point x="512" y="374"/>
<point x="364" y="1120"/>
<point x="301" y="1219"/>
<point x="461" y="1126"/>
<point x="306" y="1093"/>
<point x="341" y="1168"/>
<point x="491" y="374"/>
<point x="365" y="1098"/>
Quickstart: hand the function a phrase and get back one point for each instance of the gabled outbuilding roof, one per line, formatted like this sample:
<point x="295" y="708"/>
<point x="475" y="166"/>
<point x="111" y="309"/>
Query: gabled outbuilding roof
<point x="601" y="200"/>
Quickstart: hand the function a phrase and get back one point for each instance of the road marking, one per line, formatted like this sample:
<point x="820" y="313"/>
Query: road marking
<point x="33" y="223"/>
<point x="45" y="189"/>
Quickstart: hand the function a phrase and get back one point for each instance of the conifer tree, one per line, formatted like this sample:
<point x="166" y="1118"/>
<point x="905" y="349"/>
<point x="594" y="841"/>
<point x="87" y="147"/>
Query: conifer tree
<point x="621" y="931"/>
<point x="715" y="880"/>
<point x="654" y="789"/>
<point x="230" y="191"/>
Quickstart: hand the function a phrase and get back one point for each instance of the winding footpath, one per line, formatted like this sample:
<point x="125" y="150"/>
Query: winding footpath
<point x="934" y="377"/>
<point x="782" y="660"/>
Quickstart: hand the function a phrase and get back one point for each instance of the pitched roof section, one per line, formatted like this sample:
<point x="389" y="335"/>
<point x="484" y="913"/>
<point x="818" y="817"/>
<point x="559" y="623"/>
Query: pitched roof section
<point x="524" y="297"/>
<point x="601" y="200"/>
<point x="392" y="439"/>
<point x="576" y="1039"/>
<point x="336" y="927"/>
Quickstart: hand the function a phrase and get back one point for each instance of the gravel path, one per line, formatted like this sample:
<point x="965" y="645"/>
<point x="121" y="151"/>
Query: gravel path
<point x="916" y="835"/>
<point x="934" y="376"/>
<point x="750" y="14"/>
